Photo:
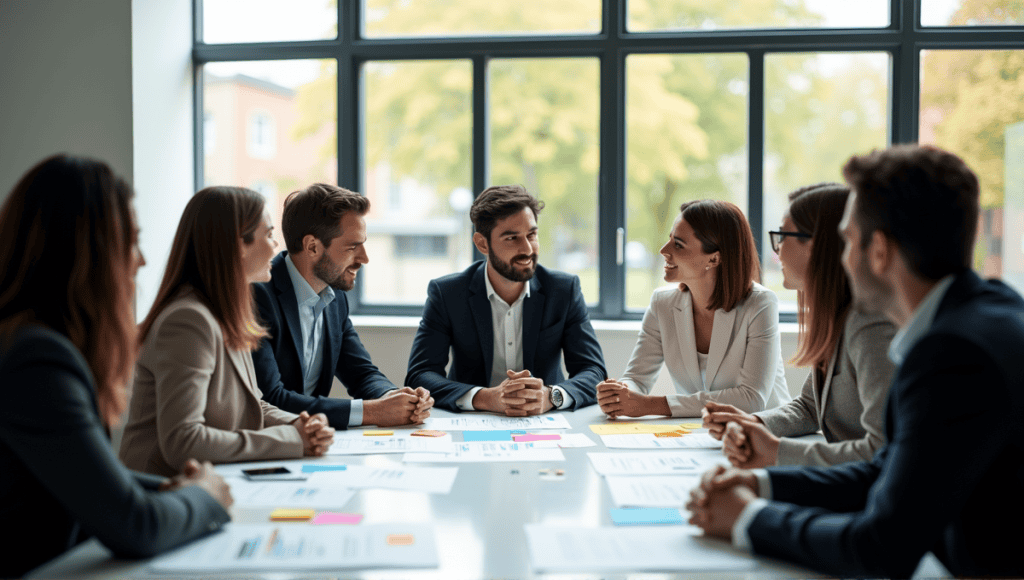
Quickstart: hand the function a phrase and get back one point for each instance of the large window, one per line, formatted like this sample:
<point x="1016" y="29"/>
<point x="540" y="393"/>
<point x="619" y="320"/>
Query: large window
<point x="612" y="112"/>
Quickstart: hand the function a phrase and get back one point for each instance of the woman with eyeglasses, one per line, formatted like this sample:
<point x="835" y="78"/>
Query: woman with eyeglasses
<point x="844" y="395"/>
<point x="68" y="258"/>
<point x="716" y="329"/>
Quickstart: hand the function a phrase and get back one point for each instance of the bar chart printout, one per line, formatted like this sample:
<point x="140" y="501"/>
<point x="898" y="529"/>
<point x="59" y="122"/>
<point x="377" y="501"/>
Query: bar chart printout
<point x="252" y="547"/>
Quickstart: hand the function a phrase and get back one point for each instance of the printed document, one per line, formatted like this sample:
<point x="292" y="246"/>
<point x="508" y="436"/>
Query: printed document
<point x="426" y="479"/>
<point x="485" y="451"/>
<point x="651" y="491"/>
<point x="368" y="445"/>
<point x="299" y="494"/>
<point x="487" y="422"/>
<point x="653" y="463"/>
<point x="649" y="441"/>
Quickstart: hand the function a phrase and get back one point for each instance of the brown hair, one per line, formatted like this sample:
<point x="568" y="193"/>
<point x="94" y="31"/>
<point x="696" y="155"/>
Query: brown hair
<point x="923" y="198"/>
<point x="721" y="227"/>
<point x="207" y="257"/>
<point x="318" y="210"/>
<point x="497" y="203"/>
<point x="825" y="300"/>
<point x="67" y="239"/>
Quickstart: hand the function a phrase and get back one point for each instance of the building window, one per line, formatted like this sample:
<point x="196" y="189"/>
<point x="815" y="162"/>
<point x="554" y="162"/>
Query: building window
<point x="261" y="142"/>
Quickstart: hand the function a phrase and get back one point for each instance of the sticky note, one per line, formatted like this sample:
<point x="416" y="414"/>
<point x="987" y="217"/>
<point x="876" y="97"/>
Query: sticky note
<point x="377" y="433"/>
<point x="428" y="433"/>
<point x="486" y="435"/>
<point x="291" y="515"/>
<point x="535" y="437"/>
<point x="691" y="425"/>
<point x="401" y="539"/>
<point x="646" y="516"/>
<point x="626" y="427"/>
<point x="337" y="518"/>
<point x="669" y="434"/>
<point x="316" y="468"/>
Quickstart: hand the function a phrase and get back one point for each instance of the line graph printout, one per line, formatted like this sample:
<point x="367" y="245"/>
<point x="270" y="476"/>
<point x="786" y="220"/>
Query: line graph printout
<point x="495" y="422"/>
<point x="261" y="547"/>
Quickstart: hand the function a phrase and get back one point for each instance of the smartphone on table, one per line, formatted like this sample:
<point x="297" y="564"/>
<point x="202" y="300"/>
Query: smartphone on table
<point x="273" y="474"/>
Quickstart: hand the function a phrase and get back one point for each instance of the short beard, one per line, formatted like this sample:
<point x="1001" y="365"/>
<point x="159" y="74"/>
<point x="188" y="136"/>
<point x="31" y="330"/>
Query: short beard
<point x="510" y="273"/>
<point x="328" y="271"/>
<point x="871" y="295"/>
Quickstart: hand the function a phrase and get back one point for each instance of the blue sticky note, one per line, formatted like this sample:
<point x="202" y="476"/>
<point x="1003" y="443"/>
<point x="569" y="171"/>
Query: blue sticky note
<point x="315" y="468"/>
<point x="646" y="516"/>
<point x="486" y="435"/>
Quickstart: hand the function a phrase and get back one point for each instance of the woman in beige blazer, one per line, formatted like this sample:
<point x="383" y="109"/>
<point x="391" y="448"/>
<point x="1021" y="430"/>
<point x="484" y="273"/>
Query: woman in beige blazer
<point x="717" y="330"/>
<point x="844" y="394"/>
<point x="194" y="391"/>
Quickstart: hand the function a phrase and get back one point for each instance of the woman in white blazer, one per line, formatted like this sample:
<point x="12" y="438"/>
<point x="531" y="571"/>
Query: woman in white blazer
<point x="716" y="330"/>
<point x="845" y="393"/>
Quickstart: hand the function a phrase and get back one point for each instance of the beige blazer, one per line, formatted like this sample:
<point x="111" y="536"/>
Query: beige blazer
<point x="192" y="397"/>
<point x="744" y="365"/>
<point x="848" y="405"/>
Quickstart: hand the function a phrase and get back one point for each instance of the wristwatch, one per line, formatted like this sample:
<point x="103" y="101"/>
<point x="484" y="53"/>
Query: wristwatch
<point x="556" y="397"/>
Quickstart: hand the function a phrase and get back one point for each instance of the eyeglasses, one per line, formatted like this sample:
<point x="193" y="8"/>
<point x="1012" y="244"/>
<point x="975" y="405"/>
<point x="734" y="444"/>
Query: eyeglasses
<point x="778" y="237"/>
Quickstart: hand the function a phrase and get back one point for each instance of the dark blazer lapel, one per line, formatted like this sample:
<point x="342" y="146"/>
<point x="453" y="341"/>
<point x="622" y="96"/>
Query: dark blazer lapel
<point x="533" y="310"/>
<point x="331" y="344"/>
<point x="288" y="302"/>
<point x="480" y="307"/>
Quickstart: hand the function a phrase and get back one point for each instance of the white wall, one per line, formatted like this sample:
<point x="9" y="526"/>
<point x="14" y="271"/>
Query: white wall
<point x="65" y="83"/>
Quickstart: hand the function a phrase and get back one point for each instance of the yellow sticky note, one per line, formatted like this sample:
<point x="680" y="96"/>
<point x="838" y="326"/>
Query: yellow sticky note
<point x="291" y="515"/>
<point x="669" y="434"/>
<point x="401" y="540"/>
<point x="691" y="425"/>
<point x="377" y="433"/>
<point x="630" y="428"/>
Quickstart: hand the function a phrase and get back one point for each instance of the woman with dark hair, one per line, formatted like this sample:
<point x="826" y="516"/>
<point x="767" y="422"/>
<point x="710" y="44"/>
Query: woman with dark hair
<point x="844" y="394"/>
<point x="195" y="392"/>
<point x="68" y="257"/>
<point x="716" y="330"/>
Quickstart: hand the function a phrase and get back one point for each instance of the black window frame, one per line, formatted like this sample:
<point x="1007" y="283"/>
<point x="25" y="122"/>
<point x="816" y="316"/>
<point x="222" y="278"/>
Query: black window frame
<point x="903" y="40"/>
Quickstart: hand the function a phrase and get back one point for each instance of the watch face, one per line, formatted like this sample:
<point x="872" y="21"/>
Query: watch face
<point x="556" y="397"/>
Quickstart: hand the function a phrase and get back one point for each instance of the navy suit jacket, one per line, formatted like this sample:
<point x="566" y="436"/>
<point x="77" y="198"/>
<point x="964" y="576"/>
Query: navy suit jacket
<point x="278" y="368"/>
<point x="457" y="316"/>
<point x="953" y="467"/>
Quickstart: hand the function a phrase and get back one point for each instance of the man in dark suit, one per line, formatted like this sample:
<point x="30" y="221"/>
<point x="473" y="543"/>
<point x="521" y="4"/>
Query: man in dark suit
<point x="953" y="467"/>
<point x="311" y="336"/>
<point x="507" y="321"/>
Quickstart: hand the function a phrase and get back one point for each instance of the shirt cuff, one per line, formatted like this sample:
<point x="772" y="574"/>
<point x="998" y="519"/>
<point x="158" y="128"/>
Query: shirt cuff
<point x="741" y="529"/>
<point x="764" y="483"/>
<point x="465" y="402"/>
<point x="355" y="413"/>
<point x="567" y="400"/>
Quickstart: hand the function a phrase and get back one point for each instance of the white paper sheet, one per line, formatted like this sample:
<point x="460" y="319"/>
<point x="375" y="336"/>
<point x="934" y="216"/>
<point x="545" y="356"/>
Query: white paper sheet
<point x="632" y="549"/>
<point x="574" y="440"/>
<point x="367" y="445"/>
<point x="288" y="494"/>
<point x="485" y="451"/>
<point x="652" y="463"/>
<point x="649" y="441"/>
<point x="426" y="479"/>
<point x="495" y="422"/>
<point x="651" y="491"/>
<point x="261" y="547"/>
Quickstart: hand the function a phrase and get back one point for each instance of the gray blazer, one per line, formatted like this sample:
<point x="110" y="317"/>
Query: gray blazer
<point x="849" y="407"/>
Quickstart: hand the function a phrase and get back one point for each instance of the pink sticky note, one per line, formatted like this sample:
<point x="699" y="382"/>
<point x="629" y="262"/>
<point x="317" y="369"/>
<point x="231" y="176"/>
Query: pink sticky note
<point x="337" y="518"/>
<point x="535" y="437"/>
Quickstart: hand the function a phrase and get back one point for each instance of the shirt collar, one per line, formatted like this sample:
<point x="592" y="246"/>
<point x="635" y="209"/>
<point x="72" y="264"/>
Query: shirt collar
<point x="304" y="293"/>
<point x="919" y="323"/>
<point x="491" y="293"/>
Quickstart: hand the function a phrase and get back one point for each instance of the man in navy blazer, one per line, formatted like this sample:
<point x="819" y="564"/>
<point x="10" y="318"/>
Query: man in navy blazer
<point x="953" y="467"/>
<point x="305" y="310"/>
<point x="507" y="321"/>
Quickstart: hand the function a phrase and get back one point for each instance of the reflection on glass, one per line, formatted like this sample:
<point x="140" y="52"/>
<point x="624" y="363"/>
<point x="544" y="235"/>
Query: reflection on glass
<point x="234" y="21"/>
<point x="980" y="117"/>
<point x="971" y="12"/>
<point x="417" y="175"/>
<point x="396" y="18"/>
<point x="819" y="110"/>
<point x="686" y="119"/>
<point x="270" y="126"/>
<point x="652" y="15"/>
<point x="544" y="135"/>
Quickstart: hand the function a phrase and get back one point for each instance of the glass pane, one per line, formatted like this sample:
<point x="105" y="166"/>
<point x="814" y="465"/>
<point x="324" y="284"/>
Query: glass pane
<point x="270" y="126"/>
<point x="417" y="175"/>
<point x="972" y="12"/>
<point x="980" y="117"/>
<point x="544" y="135"/>
<point x="384" y="18"/>
<point x="233" y="21"/>
<point x="686" y="119"/>
<point x="819" y="110"/>
<point x="651" y="15"/>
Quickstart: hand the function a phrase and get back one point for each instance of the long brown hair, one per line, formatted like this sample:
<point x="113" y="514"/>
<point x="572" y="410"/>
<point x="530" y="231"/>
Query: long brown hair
<point x="206" y="257"/>
<point x="721" y="227"/>
<point x="67" y="237"/>
<point x="824" y="302"/>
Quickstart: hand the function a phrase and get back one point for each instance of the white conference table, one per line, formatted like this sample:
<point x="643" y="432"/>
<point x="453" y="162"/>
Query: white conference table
<point x="478" y="527"/>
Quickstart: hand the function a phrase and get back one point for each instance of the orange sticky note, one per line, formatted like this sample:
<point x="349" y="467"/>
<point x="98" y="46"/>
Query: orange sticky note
<point x="377" y="433"/>
<point x="669" y="434"/>
<point x="291" y="515"/>
<point x="428" y="433"/>
<point x="401" y="540"/>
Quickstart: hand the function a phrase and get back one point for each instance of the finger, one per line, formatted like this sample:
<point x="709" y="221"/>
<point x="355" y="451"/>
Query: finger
<point x="192" y="468"/>
<point x="515" y="412"/>
<point x="422" y="393"/>
<point x="608" y="396"/>
<point x="719" y="407"/>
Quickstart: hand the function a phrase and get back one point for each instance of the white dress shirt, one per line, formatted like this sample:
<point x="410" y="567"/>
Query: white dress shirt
<point x="507" y="325"/>
<point x="311" y="327"/>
